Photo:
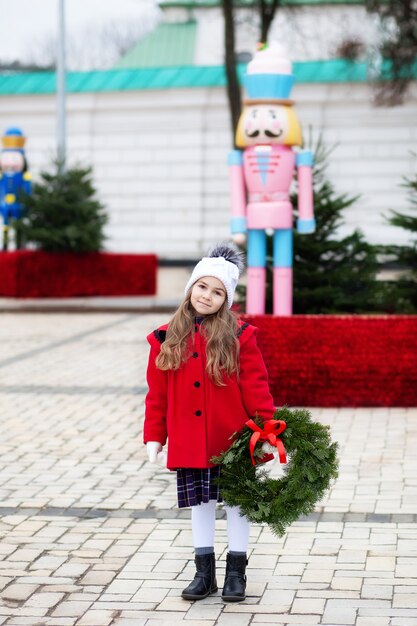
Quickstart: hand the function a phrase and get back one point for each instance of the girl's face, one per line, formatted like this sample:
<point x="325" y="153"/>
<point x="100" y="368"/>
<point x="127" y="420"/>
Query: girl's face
<point x="207" y="295"/>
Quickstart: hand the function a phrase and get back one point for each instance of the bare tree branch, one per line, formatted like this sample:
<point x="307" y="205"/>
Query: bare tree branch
<point x="266" y="10"/>
<point x="93" y="47"/>
<point x="233" y="88"/>
<point x="267" y="13"/>
<point x="398" y="48"/>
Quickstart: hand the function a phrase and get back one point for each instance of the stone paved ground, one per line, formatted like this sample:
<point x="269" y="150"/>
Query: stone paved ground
<point x="89" y="531"/>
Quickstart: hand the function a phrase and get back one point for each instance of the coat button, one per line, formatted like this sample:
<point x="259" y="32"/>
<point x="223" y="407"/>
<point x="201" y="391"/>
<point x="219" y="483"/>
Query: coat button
<point x="197" y="384"/>
<point x="198" y="413"/>
<point x="195" y="355"/>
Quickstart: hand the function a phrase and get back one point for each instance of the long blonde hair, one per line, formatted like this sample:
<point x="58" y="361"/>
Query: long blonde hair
<point x="219" y="330"/>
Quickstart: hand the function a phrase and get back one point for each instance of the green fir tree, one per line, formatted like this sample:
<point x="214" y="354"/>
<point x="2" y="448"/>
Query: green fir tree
<point x="62" y="213"/>
<point x="403" y="292"/>
<point x="333" y="274"/>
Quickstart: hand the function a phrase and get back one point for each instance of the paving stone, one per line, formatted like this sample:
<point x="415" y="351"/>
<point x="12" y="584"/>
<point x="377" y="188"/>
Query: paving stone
<point x="246" y="607"/>
<point x="370" y="621"/>
<point x="405" y="570"/>
<point x="228" y="619"/>
<point x="380" y="563"/>
<point x="145" y="594"/>
<point x="198" y="611"/>
<point x="72" y="570"/>
<point x="4" y="581"/>
<point x="124" y="586"/>
<point x="352" y="556"/>
<point x="317" y="576"/>
<point x="339" y="615"/>
<point x="31" y="613"/>
<point x="96" y="617"/>
<point x="290" y="569"/>
<point x="168" y="565"/>
<point x="377" y="591"/>
<point x="96" y="577"/>
<point x="346" y="582"/>
<point x="177" y="620"/>
<point x="44" y="599"/>
<point x="24" y="621"/>
<point x="279" y="598"/>
<point x="264" y="618"/>
<point x="18" y="591"/>
<point x="70" y="608"/>
<point x="376" y="613"/>
<point x="405" y="600"/>
<point x="127" y="621"/>
<point x="308" y="606"/>
<point x="48" y="563"/>
<point x="90" y="595"/>
<point x="59" y="621"/>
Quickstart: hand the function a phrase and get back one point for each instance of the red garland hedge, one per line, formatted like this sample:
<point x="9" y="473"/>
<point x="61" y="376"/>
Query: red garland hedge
<point x="346" y="361"/>
<point x="36" y="274"/>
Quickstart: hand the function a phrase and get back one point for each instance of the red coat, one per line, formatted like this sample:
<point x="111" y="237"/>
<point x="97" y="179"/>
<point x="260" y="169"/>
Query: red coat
<point x="197" y="416"/>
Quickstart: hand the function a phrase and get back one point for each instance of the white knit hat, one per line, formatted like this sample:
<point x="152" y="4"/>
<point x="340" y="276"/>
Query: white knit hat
<point x="224" y="262"/>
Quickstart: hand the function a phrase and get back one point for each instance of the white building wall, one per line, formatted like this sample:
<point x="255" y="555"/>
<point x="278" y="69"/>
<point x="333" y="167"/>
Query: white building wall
<point x="159" y="158"/>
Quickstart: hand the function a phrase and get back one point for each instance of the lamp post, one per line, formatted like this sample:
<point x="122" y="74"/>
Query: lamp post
<point x="60" y="76"/>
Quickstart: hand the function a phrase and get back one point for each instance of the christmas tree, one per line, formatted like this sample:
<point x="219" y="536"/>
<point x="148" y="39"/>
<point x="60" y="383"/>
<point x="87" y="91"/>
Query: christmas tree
<point x="333" y="274"/>
<point x="403" y="292"/>
<point x="62" y="214"/>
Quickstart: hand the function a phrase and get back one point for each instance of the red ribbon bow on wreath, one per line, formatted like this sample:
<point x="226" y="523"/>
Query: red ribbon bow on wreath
<point x="270" y="432"/>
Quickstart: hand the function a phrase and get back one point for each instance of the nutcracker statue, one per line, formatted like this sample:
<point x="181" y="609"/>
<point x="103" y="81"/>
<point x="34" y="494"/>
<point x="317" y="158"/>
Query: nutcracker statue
<point x="14" y="178"/>
<point x="261" y="174"/>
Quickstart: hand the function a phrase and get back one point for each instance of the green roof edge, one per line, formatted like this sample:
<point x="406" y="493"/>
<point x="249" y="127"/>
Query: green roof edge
<point x="331" y="71"/>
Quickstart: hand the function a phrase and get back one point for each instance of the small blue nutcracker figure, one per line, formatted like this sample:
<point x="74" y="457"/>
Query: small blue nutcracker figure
<point x="14" y="178"/>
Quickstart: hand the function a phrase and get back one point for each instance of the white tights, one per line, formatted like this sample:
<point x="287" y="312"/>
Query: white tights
<point x="203" y="517"/>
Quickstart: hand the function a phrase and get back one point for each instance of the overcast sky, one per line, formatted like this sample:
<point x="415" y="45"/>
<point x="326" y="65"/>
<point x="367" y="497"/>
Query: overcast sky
<point x="24" y="22"/>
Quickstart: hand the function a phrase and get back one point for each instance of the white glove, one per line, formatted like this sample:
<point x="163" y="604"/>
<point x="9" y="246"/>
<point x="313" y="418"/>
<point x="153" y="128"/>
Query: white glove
<point x="153" y="448"/>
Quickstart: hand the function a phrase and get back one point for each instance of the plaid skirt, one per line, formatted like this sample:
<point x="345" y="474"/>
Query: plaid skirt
<point x="195" y="486"/>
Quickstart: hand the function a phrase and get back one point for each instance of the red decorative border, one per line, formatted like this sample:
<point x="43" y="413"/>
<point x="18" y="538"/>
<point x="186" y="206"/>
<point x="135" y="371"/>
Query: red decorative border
<point x="35" y="274"/>
<point x="346" y="361"/>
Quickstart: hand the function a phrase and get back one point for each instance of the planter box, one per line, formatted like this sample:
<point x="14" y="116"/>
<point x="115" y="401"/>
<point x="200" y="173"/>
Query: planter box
<point x="340" y="361"/>
<point x="33" y="274"/>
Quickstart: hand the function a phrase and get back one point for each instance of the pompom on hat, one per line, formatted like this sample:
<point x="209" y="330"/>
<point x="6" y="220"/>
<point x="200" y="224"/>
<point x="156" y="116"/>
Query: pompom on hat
<point x="225" y="262"/>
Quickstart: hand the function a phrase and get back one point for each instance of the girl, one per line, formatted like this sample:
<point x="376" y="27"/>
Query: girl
<point x="206" y="377"/>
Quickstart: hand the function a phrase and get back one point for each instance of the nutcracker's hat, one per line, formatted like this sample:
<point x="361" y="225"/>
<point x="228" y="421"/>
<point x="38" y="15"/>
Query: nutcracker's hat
<point x="13" y="139"/>
<point x="269" y="76"/>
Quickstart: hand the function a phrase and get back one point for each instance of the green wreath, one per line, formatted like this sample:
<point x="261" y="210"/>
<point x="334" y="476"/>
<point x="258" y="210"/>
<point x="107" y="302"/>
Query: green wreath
<point x="278" y="502"/>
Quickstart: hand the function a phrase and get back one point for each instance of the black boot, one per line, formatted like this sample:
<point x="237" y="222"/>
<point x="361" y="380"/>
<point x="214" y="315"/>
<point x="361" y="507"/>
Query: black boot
<point x="204" y="582"/>
<point x="235" y="580"/>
